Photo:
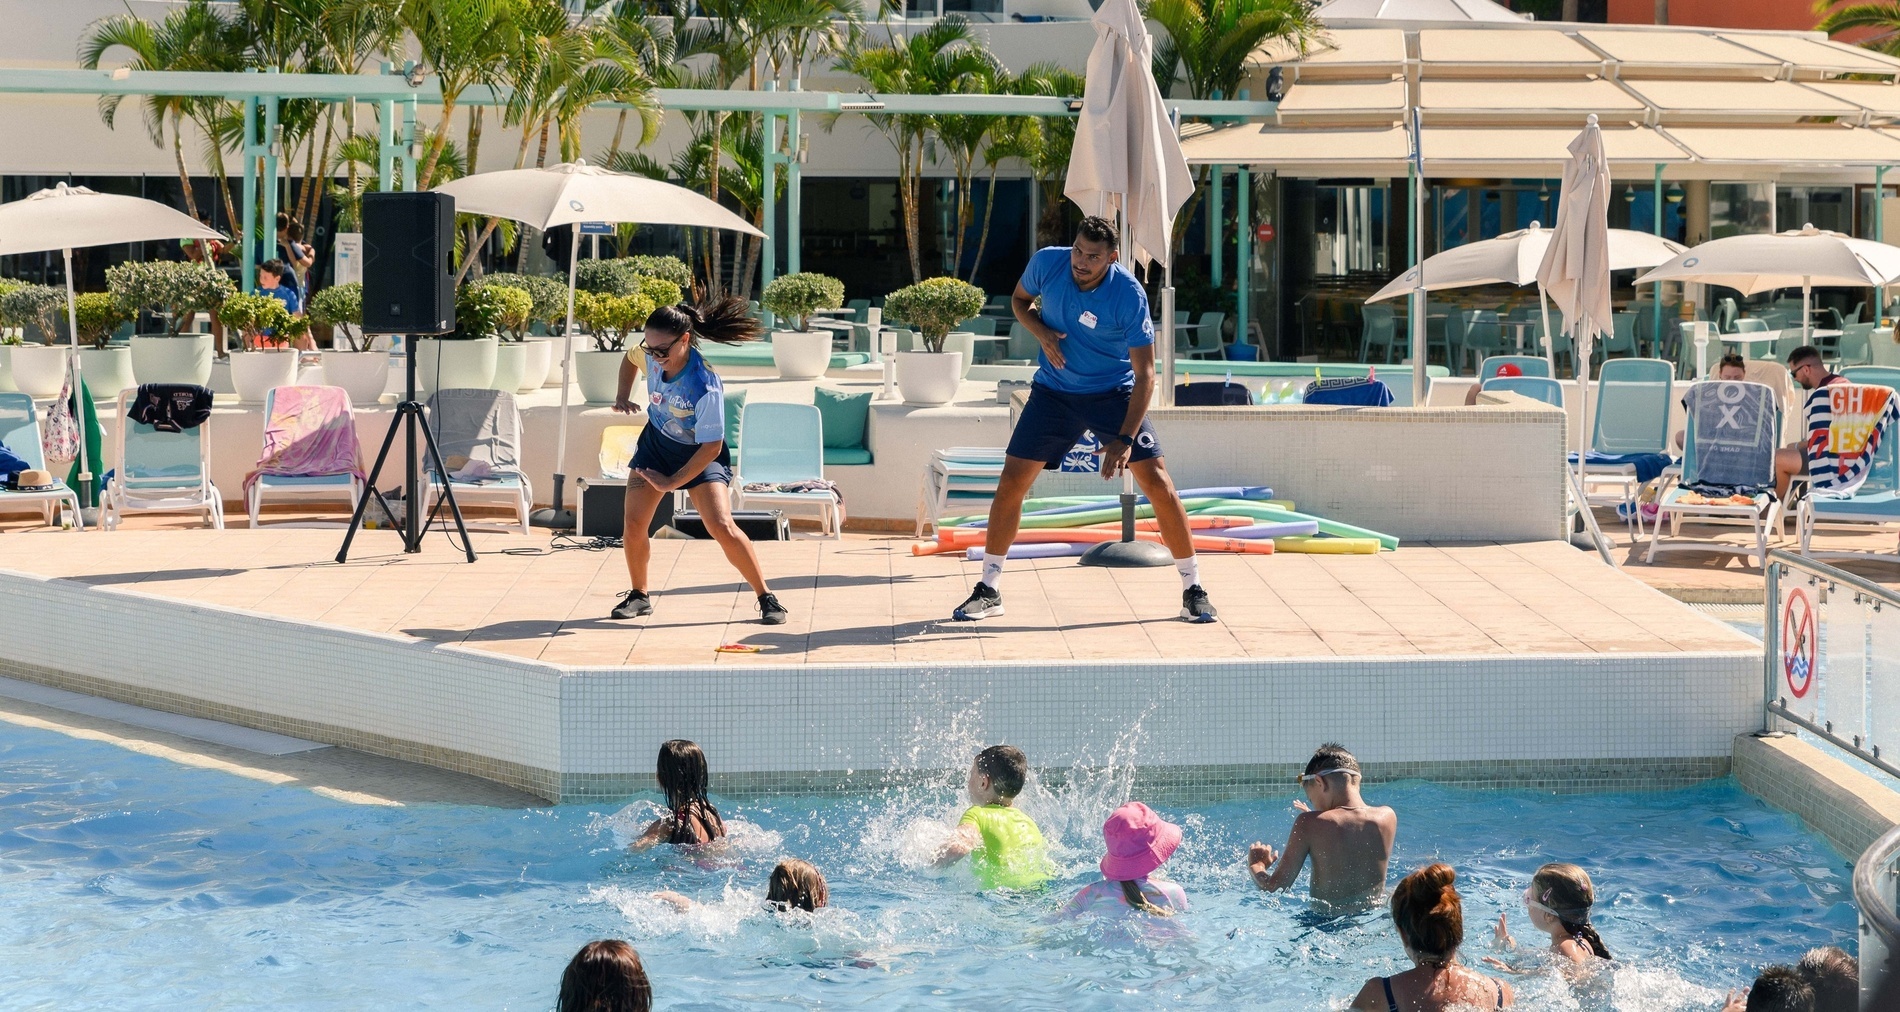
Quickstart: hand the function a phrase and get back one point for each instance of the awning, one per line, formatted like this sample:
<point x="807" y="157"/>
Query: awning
<point x="1790" y="146"/>
<point x="1879" y="97"/>
<point x="1380" y="100"/>
<point x="1417" y="10"/>
<point x="1449" y="150"/>
<point x="1657" y="52"/>
<point x="1816" y="53"/>
<point x="1681" y="99"/>
<point x="1538" y="151"/>
<point x="1383" y="148"/>
<point x="1546" y="101"/>
<point x="1524" y="51"/>
<point x="1349" y="53"/>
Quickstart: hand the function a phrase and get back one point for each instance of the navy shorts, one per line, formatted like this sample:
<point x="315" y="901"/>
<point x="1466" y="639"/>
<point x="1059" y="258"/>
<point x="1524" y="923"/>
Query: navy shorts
<point x="656" y="452"/>
<point x="1053" y="422"/>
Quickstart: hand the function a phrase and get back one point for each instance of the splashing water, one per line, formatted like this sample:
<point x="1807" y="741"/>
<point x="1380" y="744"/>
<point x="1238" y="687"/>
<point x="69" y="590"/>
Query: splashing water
<point x="215" y="891"/>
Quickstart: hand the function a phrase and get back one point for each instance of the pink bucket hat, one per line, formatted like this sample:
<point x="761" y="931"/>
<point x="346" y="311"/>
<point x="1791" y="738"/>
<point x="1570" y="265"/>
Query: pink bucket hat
<point x="1139" y="841"/>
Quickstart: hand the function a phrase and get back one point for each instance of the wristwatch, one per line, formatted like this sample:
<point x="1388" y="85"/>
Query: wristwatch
<point x="1125" y="438"/>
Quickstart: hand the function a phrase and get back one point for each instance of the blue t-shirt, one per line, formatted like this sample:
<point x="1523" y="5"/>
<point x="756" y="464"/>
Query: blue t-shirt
<point x="1101" y="324"/>
<point x="690" y="408"/>
<point x="282" y="293"/>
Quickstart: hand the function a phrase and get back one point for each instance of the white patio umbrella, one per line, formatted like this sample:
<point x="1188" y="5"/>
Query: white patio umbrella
<point x="1575" y="273"/>
<point x="568" y="194"/>
<point x="67" y="218"/>
<point x="1127" y="158"/>
<point x="1513" y="259"/>
<point x="1802" y="258"/>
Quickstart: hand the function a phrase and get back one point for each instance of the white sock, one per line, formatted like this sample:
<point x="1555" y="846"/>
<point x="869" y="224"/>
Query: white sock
<point x="992" y="567"/>
<point x="1190" y="570"/>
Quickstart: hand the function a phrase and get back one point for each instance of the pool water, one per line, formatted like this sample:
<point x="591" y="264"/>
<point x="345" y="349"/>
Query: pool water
<point x="132" y="882"/>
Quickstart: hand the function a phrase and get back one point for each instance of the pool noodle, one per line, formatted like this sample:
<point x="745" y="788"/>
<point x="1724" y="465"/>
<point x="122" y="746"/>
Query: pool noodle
<point x="1056" y="550"/>
<point x="964" y="537"/>
<point x="1101" y="512"/>
<point x="1333" y="528"/>
<point x="1327" y="546"/>
<point x="1287" y="529"/>
<point x="1056" y="505"/>
<point x="1196" y="522"/>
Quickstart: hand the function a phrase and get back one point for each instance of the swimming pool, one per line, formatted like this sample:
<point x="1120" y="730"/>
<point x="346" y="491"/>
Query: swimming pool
<point x="135" y="882"/>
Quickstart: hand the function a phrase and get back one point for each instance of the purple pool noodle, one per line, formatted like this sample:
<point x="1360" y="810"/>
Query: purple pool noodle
<point x="1033" y="551"/>
<point x="1289" y="529"/>
<point x="1245" y="493"/>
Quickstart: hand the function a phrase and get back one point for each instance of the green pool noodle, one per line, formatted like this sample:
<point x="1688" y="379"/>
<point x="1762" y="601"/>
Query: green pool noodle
<point x="1266" y="510"/>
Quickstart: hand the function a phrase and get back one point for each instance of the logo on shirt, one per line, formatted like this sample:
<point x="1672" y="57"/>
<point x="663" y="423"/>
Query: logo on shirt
<point x="1088" y="319"/>
<point x="656" y="397"/>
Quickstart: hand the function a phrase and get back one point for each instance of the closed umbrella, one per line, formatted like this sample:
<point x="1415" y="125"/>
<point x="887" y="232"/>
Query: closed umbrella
<point x="1803" y="258"/>
<point x="571" y="193"/>
<point x="1575" y="273"/>
<point x="67" y="218"/>
<point x="1127" y="158"/>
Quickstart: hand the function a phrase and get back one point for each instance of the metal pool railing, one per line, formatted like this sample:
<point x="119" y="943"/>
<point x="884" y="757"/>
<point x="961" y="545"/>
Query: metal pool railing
<point x="1874" y="893"/>
<point x="1831" y="657"/>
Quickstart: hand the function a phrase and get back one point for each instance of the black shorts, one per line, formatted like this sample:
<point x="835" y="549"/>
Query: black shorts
<point x="656" y="452"/>
<point x="1053" y="422"/>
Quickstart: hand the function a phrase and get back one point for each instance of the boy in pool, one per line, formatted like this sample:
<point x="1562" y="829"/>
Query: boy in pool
<point x="1348" y="840"/>
<point x="1005" y="847"/>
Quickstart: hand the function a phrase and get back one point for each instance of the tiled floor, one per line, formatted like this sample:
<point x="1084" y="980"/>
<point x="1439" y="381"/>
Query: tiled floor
<point x="868" y="599"/>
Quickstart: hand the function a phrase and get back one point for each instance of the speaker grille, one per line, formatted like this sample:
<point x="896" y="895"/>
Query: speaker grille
<point x="408" y="239"/>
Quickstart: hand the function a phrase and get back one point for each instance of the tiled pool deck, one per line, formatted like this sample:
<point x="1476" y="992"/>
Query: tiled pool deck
<point x="867" y="599"/>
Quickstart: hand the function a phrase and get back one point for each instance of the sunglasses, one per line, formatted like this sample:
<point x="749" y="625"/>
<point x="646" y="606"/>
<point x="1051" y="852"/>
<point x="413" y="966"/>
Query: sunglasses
<point x="653" y="352"/>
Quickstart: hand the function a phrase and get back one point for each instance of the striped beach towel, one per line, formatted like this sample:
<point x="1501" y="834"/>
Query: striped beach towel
<point x="1846" y="422"/>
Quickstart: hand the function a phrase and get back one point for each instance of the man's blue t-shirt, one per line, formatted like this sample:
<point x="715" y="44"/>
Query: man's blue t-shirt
<point x="690" y="408"/>
<point x="1101" y="324"/>
<point x="282" y="293"/>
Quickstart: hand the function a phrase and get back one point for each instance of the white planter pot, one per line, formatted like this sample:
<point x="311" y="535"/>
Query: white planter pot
<point x="182" y="359"/>
<point x="221" y="378"/>
<point x="538" y="358"/>
<point x="598" y="373"/>
<point x="454" y="365"/>
<point x="106" y="371"/>
<point x="39" y="370"/>
<point x="363" y="373"/>
<point x="255" y="373"/>
<point x="6" y="370"/>
<point x="581" y="343"/>
<point x="929" y="378"/>
<point x="801" y="355"/>
<point x="511" y="360"/>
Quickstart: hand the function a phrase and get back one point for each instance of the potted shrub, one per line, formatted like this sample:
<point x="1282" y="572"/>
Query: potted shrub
<point x="514" y="311"/>
<point x="931" y="376"/>
<point x="671" y="269"/>
<point x="611" y="319"/>
<point x="39" y="368"/>
<point x="177" y="290"/>
<point x="107" y="370"/>
<point x="464" y="359"/>
<point x="801" y="353"/>
<point x="549" y="303"/>
<point x="265" y="358"/>
<point x="351" y="362"/>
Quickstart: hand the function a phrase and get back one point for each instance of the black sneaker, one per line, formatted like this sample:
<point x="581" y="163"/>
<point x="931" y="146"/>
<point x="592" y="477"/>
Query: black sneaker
<point x="634" y="605"/>
<point x="984" y="602"/>
<point x="770" y="611"/>
<point x="1194" y="606"/>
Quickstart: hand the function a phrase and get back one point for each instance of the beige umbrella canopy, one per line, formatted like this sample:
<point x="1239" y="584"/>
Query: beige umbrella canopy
<point x="1513" y="259"/>
<point x="1801" y="258"/>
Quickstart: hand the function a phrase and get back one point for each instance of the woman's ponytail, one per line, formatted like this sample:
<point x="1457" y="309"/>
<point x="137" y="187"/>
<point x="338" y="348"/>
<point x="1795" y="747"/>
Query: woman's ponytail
<point x="726" y="321"/>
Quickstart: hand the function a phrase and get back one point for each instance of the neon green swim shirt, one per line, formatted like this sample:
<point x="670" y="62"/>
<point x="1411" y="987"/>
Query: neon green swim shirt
<point x="1012" y="855"/>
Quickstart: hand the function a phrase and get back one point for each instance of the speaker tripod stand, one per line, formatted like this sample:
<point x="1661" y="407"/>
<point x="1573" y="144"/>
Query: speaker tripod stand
<point x="408" y="419"/>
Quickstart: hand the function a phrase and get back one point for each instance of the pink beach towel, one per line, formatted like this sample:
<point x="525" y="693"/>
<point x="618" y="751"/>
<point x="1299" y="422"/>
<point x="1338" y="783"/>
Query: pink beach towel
<point x="310" y="433"/>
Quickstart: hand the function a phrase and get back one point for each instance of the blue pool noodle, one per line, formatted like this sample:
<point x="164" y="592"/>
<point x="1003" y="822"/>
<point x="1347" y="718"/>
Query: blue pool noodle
<point x="1249" y="493"/>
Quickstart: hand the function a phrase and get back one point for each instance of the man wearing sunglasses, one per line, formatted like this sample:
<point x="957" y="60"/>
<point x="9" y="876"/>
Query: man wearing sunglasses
<point x="1805" y="365"/>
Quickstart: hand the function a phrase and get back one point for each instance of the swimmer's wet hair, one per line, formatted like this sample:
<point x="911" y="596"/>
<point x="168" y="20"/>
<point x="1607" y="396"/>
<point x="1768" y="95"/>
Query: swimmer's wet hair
<point x="1006" y="766"/>
<point x="1429" y="914"/>
<point x="796" y="885"/>
<point x="605" y="976"/>
<point x="1780" y="989"/>
<point x="1332" y="757"/>
<point x="1835" y="977"/>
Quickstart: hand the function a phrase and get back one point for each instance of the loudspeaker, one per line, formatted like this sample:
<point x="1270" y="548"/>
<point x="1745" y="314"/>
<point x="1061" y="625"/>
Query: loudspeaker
<point x="408" y="239"/>
<point x="756" y="525"/>
<point x="601" y="509"/>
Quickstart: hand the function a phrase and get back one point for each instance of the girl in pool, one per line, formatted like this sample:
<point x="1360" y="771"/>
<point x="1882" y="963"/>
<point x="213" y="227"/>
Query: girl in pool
<point x="1139" y="843"/>
<point x="794" y="885"/>
<point x="605" y="976"/>
<point x="1430" y="917"/>
<point x="683" y="445"/>
<point x="1558" y="903"/>
<point x="693" y="821"/>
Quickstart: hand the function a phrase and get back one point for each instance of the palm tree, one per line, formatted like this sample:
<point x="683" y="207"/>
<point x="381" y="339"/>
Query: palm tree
<point x="187" y="38"/>
<point x="464" y="42"/>
<point x="937" y="60"/>
<point x="963" y="137"/>
<point x="1883" y="17"/>
<point x="1017" y="137"/>
<point x="347" y="37"/>
<point x="1048" y="153"/>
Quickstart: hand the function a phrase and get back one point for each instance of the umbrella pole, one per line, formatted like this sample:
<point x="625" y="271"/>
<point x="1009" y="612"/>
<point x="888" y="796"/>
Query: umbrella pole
<point x="560" y="518"/>
<point x="1550" y="346"/>
<point x="72" y="327"/>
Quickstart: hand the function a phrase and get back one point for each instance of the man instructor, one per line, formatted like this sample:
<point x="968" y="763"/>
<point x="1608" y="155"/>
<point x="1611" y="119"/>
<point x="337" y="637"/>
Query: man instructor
<point x="1097" y="374"/>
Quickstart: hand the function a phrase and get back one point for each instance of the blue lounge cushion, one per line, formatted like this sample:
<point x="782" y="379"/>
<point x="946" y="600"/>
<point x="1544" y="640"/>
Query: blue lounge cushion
<point x="735" y="407"/>
<point x="845" y="417"/>
<point x="846" y="455"/>
<point x="1881" y="504"/>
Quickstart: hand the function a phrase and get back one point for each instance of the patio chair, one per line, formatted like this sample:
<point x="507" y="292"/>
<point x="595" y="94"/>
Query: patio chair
<point x="1204" y="341"/>
<point x="1620" y="342"/>
<point x="485" y="426"/>
<point x="1629" y="435"/>
<point x="860" y="310"/>
<point x="1483" y="337"/>
<point x="985" y="325"/>
<point x="1380" y="331"/>
<point x="1774" y="376"/>
<point x="159" y="472"/>
<point x="1022" y="348"/>
<point x="1875" y="502"/>
<point x="310" y="449"/>
<point x="1529" y="365"/>
<point x="1855" y="345"/>
<point x="20" y="432"/>
<point x="1885" y="350"/>
<point x="1452" y="338"/>
<point x="785" y="444"/>
<point x="1733" y="431"/>
<point x="1878" y="375"/>
<point x="1541" y="388"/>
<point x="962" y="474"/>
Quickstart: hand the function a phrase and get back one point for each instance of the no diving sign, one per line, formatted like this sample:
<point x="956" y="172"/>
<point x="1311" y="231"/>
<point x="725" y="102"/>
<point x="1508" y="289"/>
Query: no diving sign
<point x="1798" y="642"/>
